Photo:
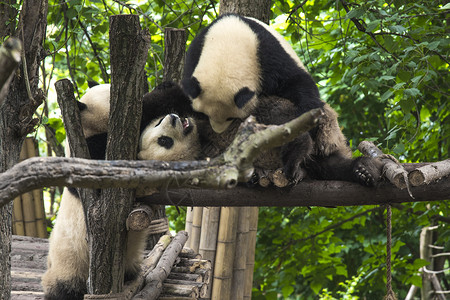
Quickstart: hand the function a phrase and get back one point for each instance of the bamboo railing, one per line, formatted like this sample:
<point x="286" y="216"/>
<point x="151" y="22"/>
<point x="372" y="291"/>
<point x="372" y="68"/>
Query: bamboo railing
<point x="28" y="209"/>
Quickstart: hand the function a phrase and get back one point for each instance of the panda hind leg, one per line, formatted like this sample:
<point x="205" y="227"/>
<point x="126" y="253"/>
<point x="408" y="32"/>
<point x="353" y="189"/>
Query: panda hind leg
<point x="363" y="170"/>
<point x="294" y="154"/>
<point x="73" y="290"/>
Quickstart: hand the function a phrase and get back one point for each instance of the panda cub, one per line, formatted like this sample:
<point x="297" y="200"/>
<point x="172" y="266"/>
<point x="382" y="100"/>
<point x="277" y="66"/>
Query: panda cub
<point x="169" y="138"/>
<point x="68" y="256"/>
<point x="239" y="66"/>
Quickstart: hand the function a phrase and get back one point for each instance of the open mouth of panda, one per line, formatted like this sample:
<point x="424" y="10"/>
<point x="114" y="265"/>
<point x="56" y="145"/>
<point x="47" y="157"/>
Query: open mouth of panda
<point x="187" y="126"/>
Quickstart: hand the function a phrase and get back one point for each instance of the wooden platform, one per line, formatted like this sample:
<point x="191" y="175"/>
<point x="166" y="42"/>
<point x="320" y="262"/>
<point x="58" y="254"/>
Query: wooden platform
<point x="28" y="264"/>
<point x="189" y="277"/>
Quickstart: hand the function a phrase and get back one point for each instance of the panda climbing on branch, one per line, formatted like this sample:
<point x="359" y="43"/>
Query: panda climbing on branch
<point x="239" y="66"/>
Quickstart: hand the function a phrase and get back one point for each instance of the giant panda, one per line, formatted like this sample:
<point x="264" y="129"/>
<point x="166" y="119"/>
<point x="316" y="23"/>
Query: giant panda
<point x="239" y="66"/>
<point x="68" y="256"/>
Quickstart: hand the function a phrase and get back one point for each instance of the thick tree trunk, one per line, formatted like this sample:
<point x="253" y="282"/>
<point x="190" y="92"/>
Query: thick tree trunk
<point x="16" y="113"/>
<point x="258" y="9"/>
<point x="106" y="223"/>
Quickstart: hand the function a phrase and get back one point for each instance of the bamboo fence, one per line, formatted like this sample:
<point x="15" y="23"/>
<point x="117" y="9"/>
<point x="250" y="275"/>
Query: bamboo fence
<point x="28" y="209"/>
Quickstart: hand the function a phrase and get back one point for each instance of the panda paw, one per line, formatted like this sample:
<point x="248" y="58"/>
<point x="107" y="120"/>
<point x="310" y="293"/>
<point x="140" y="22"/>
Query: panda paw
<point x="367" y="171"/>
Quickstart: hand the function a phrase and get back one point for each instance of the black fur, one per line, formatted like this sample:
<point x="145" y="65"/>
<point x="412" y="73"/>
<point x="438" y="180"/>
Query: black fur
<point x="243" y="96"/>
<point x="284" y="81"/>
<point x="73" y="290"/>
<point x="165" y="99"/>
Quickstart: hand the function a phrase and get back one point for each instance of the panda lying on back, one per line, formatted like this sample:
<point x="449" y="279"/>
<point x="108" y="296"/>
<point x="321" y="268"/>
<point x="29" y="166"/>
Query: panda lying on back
<point x="238" y="66"/>
<point x="166" y="138"/>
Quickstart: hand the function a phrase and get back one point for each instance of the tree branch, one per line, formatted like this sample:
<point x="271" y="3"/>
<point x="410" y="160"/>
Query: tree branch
<point x="223" y="172"/>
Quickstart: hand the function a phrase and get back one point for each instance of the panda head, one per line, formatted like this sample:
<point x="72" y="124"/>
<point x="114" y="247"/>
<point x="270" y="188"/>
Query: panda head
<point x="223" y="75"/>
<point x="94" y="110"/>
<point x="169" y="138"/>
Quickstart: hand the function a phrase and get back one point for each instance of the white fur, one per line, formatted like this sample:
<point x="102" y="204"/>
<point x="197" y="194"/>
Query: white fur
<point x="223" y="70"/>
<point x="228" y="62"/>
<point x="68" y="256"/>
<point x="95" y="118"/>
<point x="185" y="147"/>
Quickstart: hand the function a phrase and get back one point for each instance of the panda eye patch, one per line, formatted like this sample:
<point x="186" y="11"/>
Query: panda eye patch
<point x="165" y="141"/>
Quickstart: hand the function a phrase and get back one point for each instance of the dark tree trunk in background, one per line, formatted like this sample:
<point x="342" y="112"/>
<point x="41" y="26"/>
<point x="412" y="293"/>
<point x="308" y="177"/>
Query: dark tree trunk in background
<point x="258" y="9"/>
<point x="106" y="223"/>
<point x="16" y="113"/>
<point x="174" y="53"/>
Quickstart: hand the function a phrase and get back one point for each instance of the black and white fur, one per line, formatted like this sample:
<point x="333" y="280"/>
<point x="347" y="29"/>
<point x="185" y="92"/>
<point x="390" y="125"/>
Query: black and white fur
<point x="169" y="138"/>
<point x="68" y="257"/>
<point x="238" y="66"/>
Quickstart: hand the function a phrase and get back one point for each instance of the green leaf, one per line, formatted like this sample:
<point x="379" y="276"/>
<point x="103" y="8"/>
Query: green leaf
<point x="397" y="28"/>
<point x="287" y="291"/>
<point x="355" y="13"/>
<point x="372" y="25"/>
<point x="386" y="95"/>
<point x="413" y="92"/>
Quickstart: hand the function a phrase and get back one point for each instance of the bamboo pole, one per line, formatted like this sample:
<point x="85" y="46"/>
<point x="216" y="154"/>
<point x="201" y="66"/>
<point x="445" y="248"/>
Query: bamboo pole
<point x="28" y="214"/>
<point x="19" y="227"/>
<point x="39" y="210"/>
<point x="226" y="242"/>
<point x="188" y="227"/>
<point x="196" y="228"/>
<point x="253" y="227"/>
<point x="208" y="237"/>
<point x="240" y="256"/>
<point x="18" y="222"/>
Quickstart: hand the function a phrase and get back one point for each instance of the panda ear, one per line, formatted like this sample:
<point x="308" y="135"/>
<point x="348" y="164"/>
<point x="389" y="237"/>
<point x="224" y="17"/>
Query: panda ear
<point x="92" y="83"/>
<point x="243" y="96"/>
<point x="81" y="106"/>
<point x="191" y="87"/>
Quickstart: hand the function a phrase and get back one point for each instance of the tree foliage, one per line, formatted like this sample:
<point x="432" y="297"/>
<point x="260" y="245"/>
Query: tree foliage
<point x="384" y="66"/>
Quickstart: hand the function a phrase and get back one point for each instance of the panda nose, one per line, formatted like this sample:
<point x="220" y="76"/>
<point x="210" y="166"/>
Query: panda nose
<point x="173" y="119"/>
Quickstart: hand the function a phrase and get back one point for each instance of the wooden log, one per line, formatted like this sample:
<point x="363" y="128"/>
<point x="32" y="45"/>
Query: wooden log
<point x="181" y="290"/>
<point x="155" y="278"/>
<point x="139" y="218"/>
<point x="196" y="228"/>
<point x="253" y="228"/>
<point x="223" y="266"/>
<point x="205" y="273"/>
<point x="194" y="264"/>
<point x="185" y="276"/>
<point x="429" y="173"/>
<point x="165" y="297"/>
<point x="392" y="169"/>
<point x="201" y="286"/>
<point x="240" y="256"/>
<point x="189" y="253"/>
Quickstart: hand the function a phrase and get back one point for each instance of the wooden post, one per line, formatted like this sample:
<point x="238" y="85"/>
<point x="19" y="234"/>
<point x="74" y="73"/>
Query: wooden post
<point x="426" y="239"/>
<point x="106" y="223"/>
<point x="188" y="226"/>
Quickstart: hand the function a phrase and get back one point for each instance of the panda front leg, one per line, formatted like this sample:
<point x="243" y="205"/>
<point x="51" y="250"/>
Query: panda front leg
<point x="68" y="256"/>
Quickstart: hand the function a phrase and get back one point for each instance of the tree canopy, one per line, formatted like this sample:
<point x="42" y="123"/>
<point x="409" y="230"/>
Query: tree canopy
<point x="384" y="66"/>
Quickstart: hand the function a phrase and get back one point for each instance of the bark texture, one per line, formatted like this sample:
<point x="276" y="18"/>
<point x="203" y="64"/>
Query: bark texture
<point x="129" y="45"/>
<point x="16" y="114"/>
